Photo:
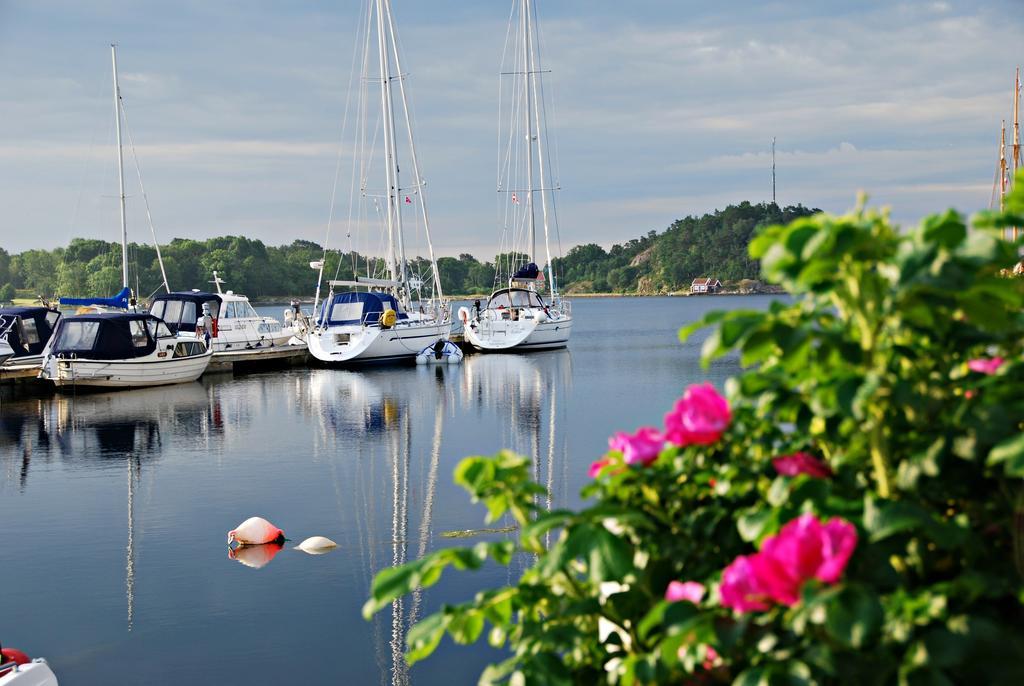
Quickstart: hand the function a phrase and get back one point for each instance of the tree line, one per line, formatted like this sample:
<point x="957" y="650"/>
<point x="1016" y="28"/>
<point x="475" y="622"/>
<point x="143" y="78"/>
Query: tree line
<point x="713" y="245"/>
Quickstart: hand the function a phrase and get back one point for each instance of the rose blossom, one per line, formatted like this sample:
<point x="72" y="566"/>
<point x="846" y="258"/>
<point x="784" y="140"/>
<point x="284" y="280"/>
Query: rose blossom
<point x="688" y="590"/>
<point x="985" y="366"/>
<point x="740" y="588"/>
<point x="640" y="448"/>
<point x="801" y="463"/>
<point x="700" y="417"/>
<point x="804" y="549"/>
<point x="595" y="467"/>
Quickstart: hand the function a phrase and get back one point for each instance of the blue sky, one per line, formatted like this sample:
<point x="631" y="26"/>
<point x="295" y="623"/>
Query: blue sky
<point x="661" y="109"/>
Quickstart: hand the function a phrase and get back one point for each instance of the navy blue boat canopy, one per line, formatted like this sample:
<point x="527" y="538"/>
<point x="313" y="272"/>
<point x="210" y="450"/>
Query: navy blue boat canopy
<point x="119" y="300"/>
<point x="358" y="308"/>
<point x="529" y="271"/>
<point x="27" y="329"/>
<point x="180" y="309"/>
<point x="107" y="336"/>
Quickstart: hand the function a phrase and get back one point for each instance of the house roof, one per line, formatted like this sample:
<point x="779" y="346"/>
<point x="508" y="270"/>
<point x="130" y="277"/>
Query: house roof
<point x="704" y="282"/>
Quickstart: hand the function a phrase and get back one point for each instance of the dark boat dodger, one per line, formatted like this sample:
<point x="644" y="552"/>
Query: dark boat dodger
<point x="108" y="336"/>
<point x="180" y="309"/>
<point x="27" y="329"/>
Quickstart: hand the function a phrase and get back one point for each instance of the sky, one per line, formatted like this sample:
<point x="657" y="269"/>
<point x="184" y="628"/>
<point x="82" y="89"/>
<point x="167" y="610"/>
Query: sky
<point x="660" y="110"/>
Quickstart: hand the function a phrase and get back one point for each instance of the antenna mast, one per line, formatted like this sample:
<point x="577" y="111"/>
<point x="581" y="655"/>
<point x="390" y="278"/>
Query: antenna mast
<point x="773" y="170"/>
<point x="120" y="169"/>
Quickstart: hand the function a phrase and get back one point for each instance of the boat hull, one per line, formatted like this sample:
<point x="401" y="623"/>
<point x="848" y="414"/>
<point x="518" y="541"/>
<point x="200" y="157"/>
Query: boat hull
<point x="519" y="336"/>
<point x="351" y="345"/>
<point x="67" y="373"/>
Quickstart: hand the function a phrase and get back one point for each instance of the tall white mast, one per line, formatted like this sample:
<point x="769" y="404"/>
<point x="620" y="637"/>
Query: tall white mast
<point x="528" y="118"/>
<point x="120" y="169"/>
<point x="396" y="259"/>
<point x="534" y="70"/>
<point x="412" y="153"/>
<point x="389" y="166"/>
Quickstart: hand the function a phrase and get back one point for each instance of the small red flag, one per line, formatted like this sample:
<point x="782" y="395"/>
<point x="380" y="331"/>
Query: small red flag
<point x="408" y="200"/>
<point x="515" y="199"/>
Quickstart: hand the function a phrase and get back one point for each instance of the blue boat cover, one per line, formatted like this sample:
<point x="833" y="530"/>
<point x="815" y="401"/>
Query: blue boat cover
<point x="373" y="307"/>
<point x="107" y="336"/>
<point x="42" y="319"/>
<point x="119" y="300"/>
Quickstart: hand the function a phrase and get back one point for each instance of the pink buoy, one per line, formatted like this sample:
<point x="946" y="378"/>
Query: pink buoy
<point x="255" y="531"/>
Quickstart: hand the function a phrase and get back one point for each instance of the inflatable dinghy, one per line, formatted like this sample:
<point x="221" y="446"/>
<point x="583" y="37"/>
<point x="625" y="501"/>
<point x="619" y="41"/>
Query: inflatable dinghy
<point x="441" y="352"/>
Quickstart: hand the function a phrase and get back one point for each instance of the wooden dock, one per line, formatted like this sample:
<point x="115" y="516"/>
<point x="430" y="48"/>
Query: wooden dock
<point x="281" y="356"/>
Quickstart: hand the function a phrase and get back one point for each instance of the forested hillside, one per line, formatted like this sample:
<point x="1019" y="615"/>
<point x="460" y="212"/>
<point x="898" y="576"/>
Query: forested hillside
<point x="712" y="245"/>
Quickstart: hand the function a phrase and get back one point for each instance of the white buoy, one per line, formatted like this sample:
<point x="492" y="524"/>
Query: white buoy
<point x="464" y="314"/>
<point x="255" y="531"/>
<point x="317" y="545"/>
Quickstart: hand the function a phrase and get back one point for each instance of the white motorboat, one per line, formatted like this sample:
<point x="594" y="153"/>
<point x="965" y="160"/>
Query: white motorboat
<point x="121" y="350"/>
<point x="516" y="316"/>
<point x="389" y="314"/>
<point x="235" y="326"/>
<point x="6" y="352"/>
<point x="26" y="331"/>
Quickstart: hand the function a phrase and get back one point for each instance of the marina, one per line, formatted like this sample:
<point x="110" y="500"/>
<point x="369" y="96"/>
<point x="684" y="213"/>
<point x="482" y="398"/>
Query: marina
<point x="362" y="395"/>
<point x="133" y="491"/>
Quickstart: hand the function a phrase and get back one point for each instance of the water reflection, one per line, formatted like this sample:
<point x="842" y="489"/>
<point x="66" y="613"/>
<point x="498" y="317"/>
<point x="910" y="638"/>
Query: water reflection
<point x="255" y="556"/>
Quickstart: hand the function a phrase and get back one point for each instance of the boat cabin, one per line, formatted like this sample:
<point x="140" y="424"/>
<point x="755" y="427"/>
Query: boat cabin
<point x="115" y="336"/>
<point x="181" y="310"/>
<point x="358" y="308"/>
<point x="27" y="329"/>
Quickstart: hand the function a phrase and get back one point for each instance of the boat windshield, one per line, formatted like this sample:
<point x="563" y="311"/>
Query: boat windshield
<point x="514" y="298"/>
<point x="238" y="310"/>
<point x="158" y="329"/>
<point x="77" y="336"/>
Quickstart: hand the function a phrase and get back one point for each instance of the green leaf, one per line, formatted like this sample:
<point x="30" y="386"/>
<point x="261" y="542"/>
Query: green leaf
<point x="1010" y="451"/>
<point x="424" y="637"/>
<point x="466" y="625"/>
<point x="756" y="523"/>
<point x="854" y="617"/>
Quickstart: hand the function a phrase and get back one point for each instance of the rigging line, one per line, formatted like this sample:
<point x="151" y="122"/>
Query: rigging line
<point x="145" y="198"/>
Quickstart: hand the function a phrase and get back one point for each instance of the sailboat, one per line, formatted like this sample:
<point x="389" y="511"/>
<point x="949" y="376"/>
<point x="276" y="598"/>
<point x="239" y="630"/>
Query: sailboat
<point x="111" y="345"/>
<point x="124" y="299"/>
<point x="517" y="316"/>
<point x="388" y="316"/>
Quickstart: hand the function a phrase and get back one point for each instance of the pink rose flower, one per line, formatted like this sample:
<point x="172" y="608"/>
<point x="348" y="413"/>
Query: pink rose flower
<point x="700" y="417"/>
<point x="804" y="549"/>
<point x="596" y="467"/>
<point x="640" y="448"/>
<point x="986" y="366"/>
<point x="801" y="463"/>
<point x="684" y="590"/>
<point x="740" y="589"/>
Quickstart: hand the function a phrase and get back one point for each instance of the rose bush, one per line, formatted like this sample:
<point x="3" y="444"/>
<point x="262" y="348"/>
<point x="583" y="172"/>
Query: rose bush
<point x="852" y="514"/>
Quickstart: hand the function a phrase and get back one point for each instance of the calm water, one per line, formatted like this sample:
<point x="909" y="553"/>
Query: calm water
<point x="114" y="507"/>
